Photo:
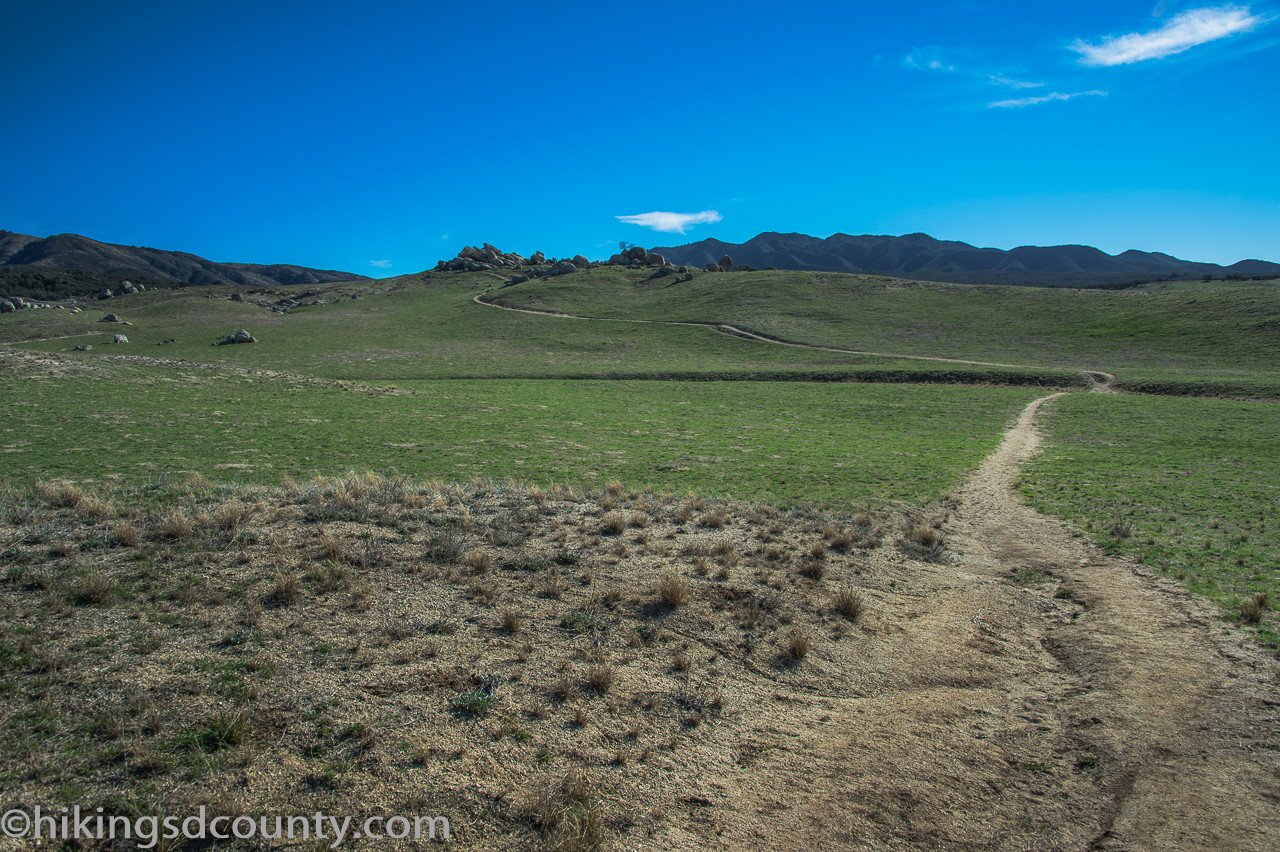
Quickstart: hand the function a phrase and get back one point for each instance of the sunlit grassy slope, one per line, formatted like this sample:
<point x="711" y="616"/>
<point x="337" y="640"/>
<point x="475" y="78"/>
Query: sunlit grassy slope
<point x="1219" y="338"/>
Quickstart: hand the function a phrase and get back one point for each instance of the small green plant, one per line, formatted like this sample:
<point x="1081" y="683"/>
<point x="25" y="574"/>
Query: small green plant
<point x="478" y="702"/>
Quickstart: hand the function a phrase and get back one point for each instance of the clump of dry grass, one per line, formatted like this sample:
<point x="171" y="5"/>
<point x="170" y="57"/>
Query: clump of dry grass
<point x="673" y="591"/>
<point x="715" y="519"/>
<point x="331" y="547"/>
<point x="848" y="603"/>
<point x="175" y="525"/>
<point x="512" y="621"/>
<point x="284" y="590"/>
<point x="613" y="523"/>
<point x="923" y="542"/>
<point x="95" y="509"/>
<point x="1252" y="609"/>
<point x="799" y="644"/>
<point x="94" y="587"/>
<point x="126" y="535"/>
<point x="600" y="678"/>
<point x="569" y="813"/>
<point x="60" y="494"/>
<point x="479" y="561"/>
<point x="813" y="569"/>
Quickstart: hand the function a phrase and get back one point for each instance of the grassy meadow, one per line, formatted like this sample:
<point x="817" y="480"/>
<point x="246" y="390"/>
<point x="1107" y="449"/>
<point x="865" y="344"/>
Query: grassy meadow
<point x="412" y="376"/>
<point x="1189" y="486"/>
<point x="833" y="443"/>
<point x="412" y="554"/>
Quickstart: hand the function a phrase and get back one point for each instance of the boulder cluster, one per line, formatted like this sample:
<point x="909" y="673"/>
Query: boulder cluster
<point x="126" y="288"/>
<point x="638" y="256"/>
<point x="9" y="304"/>
<point x="487" y="257"/>
<point x="241" y="336"/>
<point x="726" y="265"/>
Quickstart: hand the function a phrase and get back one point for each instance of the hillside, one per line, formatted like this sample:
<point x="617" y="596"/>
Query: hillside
<point x="66" y="265"/>
<point x="921" y="257"/>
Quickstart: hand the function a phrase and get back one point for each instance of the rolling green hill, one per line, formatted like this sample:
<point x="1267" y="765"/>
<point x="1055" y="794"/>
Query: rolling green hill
<point x="1218" y="340"/>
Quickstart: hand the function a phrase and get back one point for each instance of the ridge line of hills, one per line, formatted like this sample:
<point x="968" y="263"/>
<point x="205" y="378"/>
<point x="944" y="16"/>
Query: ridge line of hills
<point x="67" y="265"/>
<point x="921" y="257"/>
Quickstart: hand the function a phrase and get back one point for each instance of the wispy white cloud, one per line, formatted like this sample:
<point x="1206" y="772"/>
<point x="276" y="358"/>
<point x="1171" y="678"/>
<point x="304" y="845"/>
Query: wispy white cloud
<point x="672" y="223"/>
<point x="1052" y="96"/>
<point x="1013" y="84"/>
<point x="927" y="58"/>
<point x="1181" y="32"/>
<point x="381" y="264"/>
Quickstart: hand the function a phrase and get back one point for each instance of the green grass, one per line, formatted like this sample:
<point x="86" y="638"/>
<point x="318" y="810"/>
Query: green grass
<point x="425" y="327"/>
<point x="830" y="443"/>
<point x="1221" y="338"/>
<point x="1190" y="485"/>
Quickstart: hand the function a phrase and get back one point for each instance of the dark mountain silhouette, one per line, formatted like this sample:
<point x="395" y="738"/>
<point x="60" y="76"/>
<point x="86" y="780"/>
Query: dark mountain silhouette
<point x="921" y="257"/>
<point x="70" y="265"/>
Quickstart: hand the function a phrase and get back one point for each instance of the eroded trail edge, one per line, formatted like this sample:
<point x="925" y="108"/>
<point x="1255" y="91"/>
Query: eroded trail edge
<point x="1027" y="693"/>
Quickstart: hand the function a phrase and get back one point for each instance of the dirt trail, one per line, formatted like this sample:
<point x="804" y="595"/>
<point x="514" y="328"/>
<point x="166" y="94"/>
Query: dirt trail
<point x="1088" y="705"/>
<point x="1098" y="380"/>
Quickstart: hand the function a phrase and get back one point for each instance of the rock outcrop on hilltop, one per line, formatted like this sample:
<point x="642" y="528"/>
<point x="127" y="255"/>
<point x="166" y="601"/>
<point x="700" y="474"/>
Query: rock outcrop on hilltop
<point x="490" y="258"/>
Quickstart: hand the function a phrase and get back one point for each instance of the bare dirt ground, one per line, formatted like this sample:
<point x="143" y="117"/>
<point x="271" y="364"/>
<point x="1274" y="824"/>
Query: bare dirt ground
<point x="1087" y="706"/>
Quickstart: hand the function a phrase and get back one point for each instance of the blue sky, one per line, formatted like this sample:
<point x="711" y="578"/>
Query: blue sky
<point x="380" y="137"/>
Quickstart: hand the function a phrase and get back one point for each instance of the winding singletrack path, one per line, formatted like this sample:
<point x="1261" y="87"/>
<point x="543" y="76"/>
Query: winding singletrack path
<point x="1099" y="380"/>
<point x="1098" y="709"/>
<point x="1171" y="717"/>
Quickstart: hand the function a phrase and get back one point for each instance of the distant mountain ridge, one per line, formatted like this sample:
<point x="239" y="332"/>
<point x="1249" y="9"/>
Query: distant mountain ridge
<point x="71" y="265"/>
<point x="921" y="257"/>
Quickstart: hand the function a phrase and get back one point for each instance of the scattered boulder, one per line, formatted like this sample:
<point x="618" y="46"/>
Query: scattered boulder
<point x="110" y="318"/>
<point x="619" y="260"/>
<point x="713" y="267"/>
<point x="119" y="338"/>
<point x="726" y="263"/>
<point x="663" y="271"/>
<point x="743" y="267"/>
<point x="517" y="279"/>
<point x="564" y="267"/>
<point x="655" y="259"/>
<point x="638" y="253"/>
<point x="237" y="297"/>
<point x="580" y="261"/>
<point x="104" y="294"/>
<point x="7" y="307"/>
<point x="83" y="347"/>
<point x="537" y="258"/>
<point x="241" y="336"/>
<point x="167" y="341"/>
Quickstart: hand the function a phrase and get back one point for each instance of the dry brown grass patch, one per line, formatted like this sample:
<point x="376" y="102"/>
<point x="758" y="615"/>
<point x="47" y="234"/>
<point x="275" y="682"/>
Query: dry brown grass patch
<point x="848" y="603"/>
<point x="94" y="587"/>
<point x="284" y="590"/>
<point x="673" y="590"/>
<point x="1252" y="609"/>
<point x="799" y="644"/>
<point x="60" y="494"/>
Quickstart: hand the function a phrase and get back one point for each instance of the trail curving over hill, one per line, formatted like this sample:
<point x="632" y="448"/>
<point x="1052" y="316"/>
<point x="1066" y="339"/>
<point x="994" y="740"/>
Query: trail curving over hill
<point x="1098" y="380"/>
